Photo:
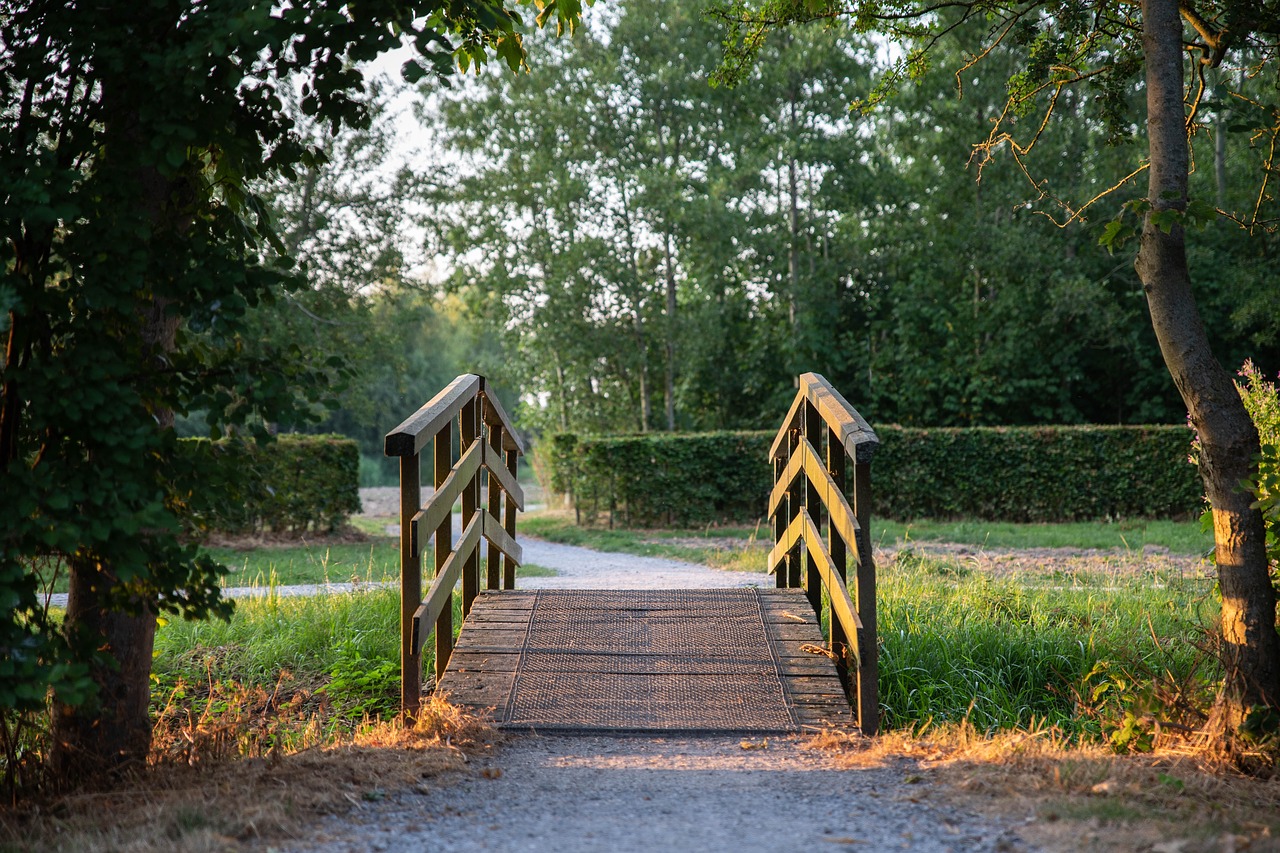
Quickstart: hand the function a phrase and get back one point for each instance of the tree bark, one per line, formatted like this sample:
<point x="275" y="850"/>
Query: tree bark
<point x="669" y="388"/>
<point x="117" y="733"/>
<point x="1228" y="439"/>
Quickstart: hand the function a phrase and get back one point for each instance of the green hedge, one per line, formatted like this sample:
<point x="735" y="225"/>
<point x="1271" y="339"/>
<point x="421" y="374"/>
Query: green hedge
<point x="292" y="485"/>
<point x="998" y="473"/>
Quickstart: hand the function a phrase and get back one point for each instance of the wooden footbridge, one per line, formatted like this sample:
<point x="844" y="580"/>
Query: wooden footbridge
<point x="796" y="655"/>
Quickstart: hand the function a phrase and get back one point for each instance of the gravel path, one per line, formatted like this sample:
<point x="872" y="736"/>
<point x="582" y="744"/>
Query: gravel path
<point x="644" y="794"/>
<point x="586" y="794"/>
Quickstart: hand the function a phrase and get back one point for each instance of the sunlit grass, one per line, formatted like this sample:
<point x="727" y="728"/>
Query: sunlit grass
<point x="1004" y="653"/>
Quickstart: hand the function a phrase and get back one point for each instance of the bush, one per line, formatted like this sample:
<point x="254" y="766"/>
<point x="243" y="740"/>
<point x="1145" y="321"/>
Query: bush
<point x="1262" y="400"/>
<point x="1024" y="474"/>
<point x="293" y="484"/>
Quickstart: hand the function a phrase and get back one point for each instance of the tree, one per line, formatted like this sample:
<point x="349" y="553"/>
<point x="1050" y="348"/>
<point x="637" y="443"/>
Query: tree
<point x="135" y="140"/>
<point x="635" y="232"/>
<point x="1108" y="46"/>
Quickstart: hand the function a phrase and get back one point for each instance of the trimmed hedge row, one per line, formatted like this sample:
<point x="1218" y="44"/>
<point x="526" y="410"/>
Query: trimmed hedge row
<point x="1026" y="474"/>
<point x="294" y="484"/>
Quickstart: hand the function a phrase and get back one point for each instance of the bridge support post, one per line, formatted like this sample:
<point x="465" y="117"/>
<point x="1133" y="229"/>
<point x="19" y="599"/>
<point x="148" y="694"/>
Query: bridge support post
<point x="811" y="423"/>
<point x="469" y="434"/>
<point x="410" y="585"/>
<point x="839" y="559"/>
<point x="442" y="453"/>
<point x="868" y="695"/>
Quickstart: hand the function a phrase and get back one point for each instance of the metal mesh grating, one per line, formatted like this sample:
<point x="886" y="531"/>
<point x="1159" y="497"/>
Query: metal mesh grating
<point x="648" y="660"/>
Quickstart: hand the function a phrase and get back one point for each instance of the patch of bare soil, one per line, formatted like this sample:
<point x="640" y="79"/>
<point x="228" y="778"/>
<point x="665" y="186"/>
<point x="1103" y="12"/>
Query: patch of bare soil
<point x="219" y="803"/>
<point x="270" y="539"/>
<point x="1053" y="563"/>
<point x="1067" y="798"/>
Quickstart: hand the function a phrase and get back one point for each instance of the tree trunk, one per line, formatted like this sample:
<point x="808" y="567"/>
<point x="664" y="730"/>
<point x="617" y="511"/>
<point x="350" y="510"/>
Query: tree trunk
<point x="1228" y="439"/>
<point x="117" y="733"/>
<point x="670" y="378"/>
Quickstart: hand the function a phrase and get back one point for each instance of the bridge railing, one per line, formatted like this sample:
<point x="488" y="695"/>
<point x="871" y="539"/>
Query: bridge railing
<point x="812" y="490"/>
<point x="467" y="436"/>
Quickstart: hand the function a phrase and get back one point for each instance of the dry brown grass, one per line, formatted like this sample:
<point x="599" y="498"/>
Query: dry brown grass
<point x="212" y="800"/>
<point x="1181" y="797"/>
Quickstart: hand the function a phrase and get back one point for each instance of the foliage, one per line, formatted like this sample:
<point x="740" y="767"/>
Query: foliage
<point x="363" y="686"/>
<point x="135" y="141"/>
<point x="997" y="473"/>
<point x="295" y="484"/>
<point x="863" y="247"/>
<point x="1262" y="401"/>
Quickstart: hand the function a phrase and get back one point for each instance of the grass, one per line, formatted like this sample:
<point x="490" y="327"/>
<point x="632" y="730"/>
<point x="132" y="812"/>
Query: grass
<point x="287" y="565"/>
<point x="1004" y="654"/>
<point x="1179" y="537"/>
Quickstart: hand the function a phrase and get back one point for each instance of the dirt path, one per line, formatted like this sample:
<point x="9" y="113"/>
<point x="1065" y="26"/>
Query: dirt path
<point x="585" y="794"/>
<point x="644" y="794"/>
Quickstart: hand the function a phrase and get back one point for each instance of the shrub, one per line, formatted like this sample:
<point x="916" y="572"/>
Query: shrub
<point x="1262" y="401"/>
<point x="293" y="484"/>
<point x="1028" y="474"/>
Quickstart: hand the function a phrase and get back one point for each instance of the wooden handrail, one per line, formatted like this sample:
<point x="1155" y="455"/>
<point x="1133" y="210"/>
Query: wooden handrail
<point x="489" y="449"/>
<point x="806" y="492"/>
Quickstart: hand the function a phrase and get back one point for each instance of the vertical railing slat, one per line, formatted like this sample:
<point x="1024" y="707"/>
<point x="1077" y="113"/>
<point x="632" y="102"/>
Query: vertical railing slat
<point x="839" y="555"/>
<point x="811" y="422"/>
<point x="442" y="453"/>
<point x="493" y="565"/>
<point x="509" y="524"/>
<point x="795" y="500"/>
<point x="868" y="697"/>
<point x="469" y="429"/>
<point x="410" y="585"/>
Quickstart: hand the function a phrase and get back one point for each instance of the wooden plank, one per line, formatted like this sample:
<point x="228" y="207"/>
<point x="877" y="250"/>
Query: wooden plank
<point x="812" y="500"/>
<point x="802" y="527"/>
<point x="494" y="414"/>
<point x="477" y="687"/>
<point x="782" y="547"/>
<point x="440" y="505"/>
<point x="493" y="463"/>
<point x="469" y="658"/>
<point x="868" y="696"/>
<point x="469" y="427"/>
<point x="509" y="523"/>
<point x="440" y="593"/>
<point x="410" y="586"/>
<point x="782" y="482"/>
<point x="805" y="458"/>
<point x="412" y="435"/>
<point x="442" y="465"/>
<point x="497" y="536"/>
<point x="840" y="544"/>
<point x="856" y="435"/>
<point x="493" y="563"/>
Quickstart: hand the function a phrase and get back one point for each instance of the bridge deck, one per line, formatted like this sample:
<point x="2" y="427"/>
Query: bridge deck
<point x="687" y="661"/>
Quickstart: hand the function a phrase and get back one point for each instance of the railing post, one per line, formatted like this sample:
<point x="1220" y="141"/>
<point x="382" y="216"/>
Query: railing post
<point x="839" y="556"/>
<point x="442" y="453"/>
<point x="410" y="585"/>
<point x="493" y="565"/>
<point x="795" y="500"/>
<point x="781" y="518"/>
<point x="868" y="696"/>
<point x="811" y="423"/>
<point x="469" y="429"/>
<point x="509" y="524"/>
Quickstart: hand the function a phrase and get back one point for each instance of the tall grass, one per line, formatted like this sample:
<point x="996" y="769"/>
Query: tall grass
<point x="958" y="646"/>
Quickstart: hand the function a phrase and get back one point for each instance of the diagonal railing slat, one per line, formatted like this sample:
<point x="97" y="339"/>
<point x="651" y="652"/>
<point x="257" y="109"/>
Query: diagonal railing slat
<point x="465" y="415"/>
<point x="806" y="492"/>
